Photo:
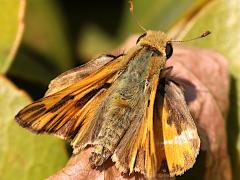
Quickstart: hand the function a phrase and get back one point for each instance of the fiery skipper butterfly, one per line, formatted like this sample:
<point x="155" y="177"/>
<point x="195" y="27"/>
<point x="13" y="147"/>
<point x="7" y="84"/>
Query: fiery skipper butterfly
<point x="125" y="107"/>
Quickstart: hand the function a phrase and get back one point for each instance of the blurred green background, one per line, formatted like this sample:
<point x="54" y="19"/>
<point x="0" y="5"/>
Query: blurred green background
<point x="60" y="35"/>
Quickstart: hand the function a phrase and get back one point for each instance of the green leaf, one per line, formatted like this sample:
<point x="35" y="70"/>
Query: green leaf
<point x="222" y="19"/>
<point x="33" y="68"/>
<point x="45" y="44"/>
<point x="94" y="41"/>
<point x="46" y="34"/>
<point x="11" y="23"/>
<point x="156" y="14"/>
<point x="24" y="155"/>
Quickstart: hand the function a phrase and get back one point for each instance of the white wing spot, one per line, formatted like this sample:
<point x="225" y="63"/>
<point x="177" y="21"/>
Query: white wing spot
<point x="184" y="137"/>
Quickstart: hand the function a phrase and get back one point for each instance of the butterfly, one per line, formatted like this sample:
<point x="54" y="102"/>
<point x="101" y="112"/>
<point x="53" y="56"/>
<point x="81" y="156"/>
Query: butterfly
<point x="126" y="107"/>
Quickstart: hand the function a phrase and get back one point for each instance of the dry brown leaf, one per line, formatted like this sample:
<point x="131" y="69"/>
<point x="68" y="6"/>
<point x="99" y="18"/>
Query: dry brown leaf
<point x="207" y="97"/>
<point x="205" y="80"/>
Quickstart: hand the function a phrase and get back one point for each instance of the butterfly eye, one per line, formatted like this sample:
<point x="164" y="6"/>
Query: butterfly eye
<point x="140" y="37"/>
<point x="168" y="50"/>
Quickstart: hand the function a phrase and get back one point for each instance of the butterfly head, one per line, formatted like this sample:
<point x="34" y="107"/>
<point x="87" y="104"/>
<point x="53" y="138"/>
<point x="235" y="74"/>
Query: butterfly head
<point x="158" y="41"/>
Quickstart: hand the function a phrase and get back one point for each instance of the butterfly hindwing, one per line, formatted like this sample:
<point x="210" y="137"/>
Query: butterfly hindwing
<point x="180" y="139"/>
<point x="163" y="141"/>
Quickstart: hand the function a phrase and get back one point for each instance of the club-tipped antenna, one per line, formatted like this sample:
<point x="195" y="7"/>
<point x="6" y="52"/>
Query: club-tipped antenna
<point x="131" y="8"/>
<point x="206" y="33"/>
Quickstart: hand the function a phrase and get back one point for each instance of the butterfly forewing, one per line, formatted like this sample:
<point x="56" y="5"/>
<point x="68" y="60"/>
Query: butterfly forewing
<point x="59" y="112"/>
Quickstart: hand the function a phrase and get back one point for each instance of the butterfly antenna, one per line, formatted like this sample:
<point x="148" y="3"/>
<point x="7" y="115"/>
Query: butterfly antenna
<point x="206" y="33"/>
<point x="131" y="7"/>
